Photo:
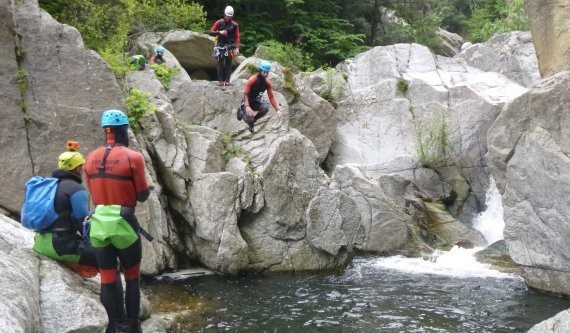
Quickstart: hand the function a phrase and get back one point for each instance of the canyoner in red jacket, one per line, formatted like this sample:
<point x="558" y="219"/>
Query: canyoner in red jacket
<point x="226" y="30"/>
<point x="252" y="100"/>
<point x="116" y="179"/>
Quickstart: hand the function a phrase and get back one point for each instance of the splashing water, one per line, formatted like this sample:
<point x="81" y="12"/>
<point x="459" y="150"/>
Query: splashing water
<point x="490" y="222"/>
<point x="459" y="262"/>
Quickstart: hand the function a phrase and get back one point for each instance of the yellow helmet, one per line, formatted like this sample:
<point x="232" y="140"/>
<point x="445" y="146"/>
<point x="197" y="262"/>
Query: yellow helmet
<point x="70" y="160"/>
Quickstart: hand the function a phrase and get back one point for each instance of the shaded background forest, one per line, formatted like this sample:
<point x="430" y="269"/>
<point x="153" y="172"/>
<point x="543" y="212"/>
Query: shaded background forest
<point x="300" y="33"/>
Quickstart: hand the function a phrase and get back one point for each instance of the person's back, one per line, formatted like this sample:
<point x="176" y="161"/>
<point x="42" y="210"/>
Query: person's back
<point x="116" y="186"/>
<point x="116" y="179"/>
<point x="63" y="241"/>
<point x="138" y="61"/>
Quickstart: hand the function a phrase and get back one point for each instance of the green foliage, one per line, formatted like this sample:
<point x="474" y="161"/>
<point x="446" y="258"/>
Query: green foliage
<point x="164" y="74"/>
<point x="232" y="149"/>
<point x="21" y="77"/>
<point x="286" y="54"/>
<point x="107" y="25"/>
<point x="318" y="26"/>
<point x="91" y="18"/>
<point x="402" y="86"/>
<point x="333" y="86"/>
<point x="251" y="68"/>
<point x="290" y="84"/>
<point x="138" y="106"/>
<point x="434" y="146"/>
<point x="496" y="16"/>
<point x="425" y="27"/>
<point x="163" y="15"/>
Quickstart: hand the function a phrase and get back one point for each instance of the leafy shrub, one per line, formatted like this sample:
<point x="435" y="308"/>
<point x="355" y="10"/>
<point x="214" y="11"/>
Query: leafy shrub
<point x="108" y="34"/>
<point x="164" y="74"/>
<point x="138" y="106"/>
<point x="496" y="16"/>
<point x="286" y="54"/>
<point x="232" y="149"/>
<point x="403" y="86"/>
<point x="434" y="146"/>
<point x="290" y="84"/>
<point x="163" y="15"/>
<point x="333" y="86"/>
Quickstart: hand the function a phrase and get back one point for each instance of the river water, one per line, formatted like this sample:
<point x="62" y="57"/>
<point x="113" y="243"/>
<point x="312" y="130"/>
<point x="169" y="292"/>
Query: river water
<point x="449" y="292"/>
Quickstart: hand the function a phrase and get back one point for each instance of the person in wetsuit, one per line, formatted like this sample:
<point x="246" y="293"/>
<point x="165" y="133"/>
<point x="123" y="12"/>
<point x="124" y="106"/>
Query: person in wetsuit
<point x="252" y="101"/>
<point x="64" y="241"/>
<point x="226" y="30"/>
<point x="158" y="57"/>
<point x="116" y="179"/>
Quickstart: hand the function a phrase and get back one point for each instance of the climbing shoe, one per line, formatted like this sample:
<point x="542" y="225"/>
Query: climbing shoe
<point x="250" y="127"/>
<point x="239" y="114"/>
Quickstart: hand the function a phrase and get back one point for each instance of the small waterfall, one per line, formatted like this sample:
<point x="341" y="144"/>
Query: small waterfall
<point x="490" y="222"/>
<point x="459" y="262"/>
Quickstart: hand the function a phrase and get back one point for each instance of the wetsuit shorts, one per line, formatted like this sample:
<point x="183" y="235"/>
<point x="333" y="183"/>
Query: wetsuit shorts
<point x="108" y="227"/>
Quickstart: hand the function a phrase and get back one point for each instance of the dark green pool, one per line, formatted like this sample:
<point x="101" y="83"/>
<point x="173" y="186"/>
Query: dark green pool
<point x="372" y="295"/>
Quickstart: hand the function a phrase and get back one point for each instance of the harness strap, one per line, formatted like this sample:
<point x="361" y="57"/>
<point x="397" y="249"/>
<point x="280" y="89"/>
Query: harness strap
<point x="101" y="168"/>
<point x="102" y="164"/>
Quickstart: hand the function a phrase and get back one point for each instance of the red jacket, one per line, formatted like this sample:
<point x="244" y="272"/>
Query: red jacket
<point x="121" y="182"/>
<point x="233" y="32"/>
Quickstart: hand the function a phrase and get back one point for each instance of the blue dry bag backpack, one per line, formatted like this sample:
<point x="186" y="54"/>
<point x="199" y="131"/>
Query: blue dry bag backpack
<point x="38" y="210"/>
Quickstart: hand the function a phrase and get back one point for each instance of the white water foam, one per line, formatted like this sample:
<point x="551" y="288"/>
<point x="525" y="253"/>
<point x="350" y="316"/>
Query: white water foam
<point x="490" y="222"/>
<point x="459" y="262"/>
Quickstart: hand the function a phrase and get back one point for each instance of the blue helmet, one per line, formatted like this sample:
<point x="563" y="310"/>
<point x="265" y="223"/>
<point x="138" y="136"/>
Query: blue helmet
<point x="264" y="66"/>
<point x="114" y="117"/>
<point x="160" y="49"/>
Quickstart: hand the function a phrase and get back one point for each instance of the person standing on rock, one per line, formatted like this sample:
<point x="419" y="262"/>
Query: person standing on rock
<point x="116" y="179"/>
<point x="252" y="101"/>
<point x="66" y="240"/>
<point x="226" y="31"/>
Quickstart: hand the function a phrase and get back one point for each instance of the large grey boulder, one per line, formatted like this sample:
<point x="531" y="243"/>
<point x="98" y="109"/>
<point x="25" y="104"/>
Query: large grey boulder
<point x="54" y="90"/>
<point x="548" y="21"/>
<point x="396" y="95"/>
<point x="557" y="324"/>
<point x="40" y="295"/>
<point x="193" y="50"/>
<point x="529" y="145"/>
<point x="511" y="54"/>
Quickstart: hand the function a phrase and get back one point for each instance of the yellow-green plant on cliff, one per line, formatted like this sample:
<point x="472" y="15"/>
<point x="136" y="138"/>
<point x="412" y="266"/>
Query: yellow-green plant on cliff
<point x="164" y="74"/>
<point x="333" y="86"/>
<point x="434" y="143"/>
<point x="138" y="105"/>
<point x="232" y="149"/>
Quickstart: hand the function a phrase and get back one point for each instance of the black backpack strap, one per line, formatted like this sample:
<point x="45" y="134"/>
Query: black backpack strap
<point x="103" y="160"/>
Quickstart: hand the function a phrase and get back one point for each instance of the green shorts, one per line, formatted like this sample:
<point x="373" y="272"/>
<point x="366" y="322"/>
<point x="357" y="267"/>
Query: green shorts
<point x="43" y="245"/>
<point x="108" y="227"/>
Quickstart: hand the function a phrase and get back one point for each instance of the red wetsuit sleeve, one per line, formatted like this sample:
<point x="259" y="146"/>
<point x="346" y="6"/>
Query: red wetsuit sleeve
<point x="139" y="178"/>
<point x="214" y="29"/>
